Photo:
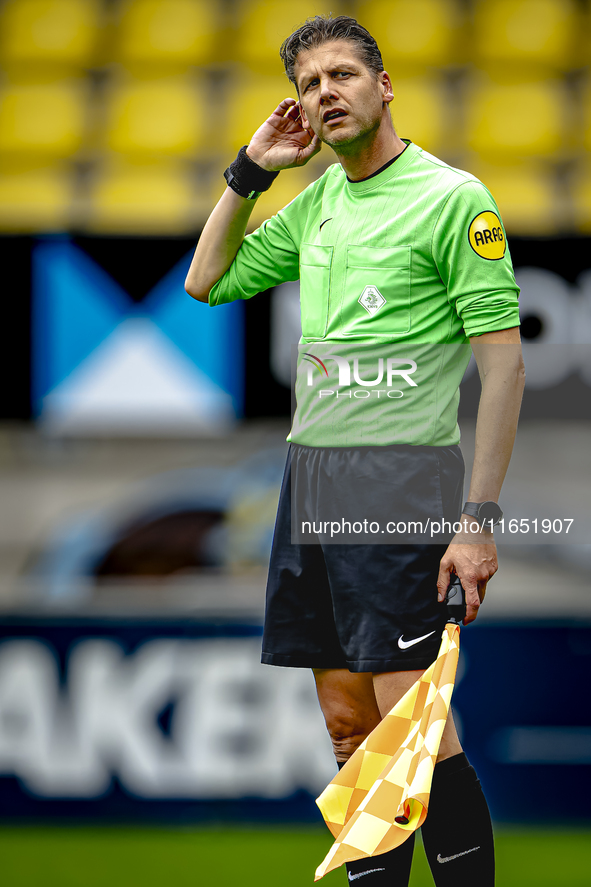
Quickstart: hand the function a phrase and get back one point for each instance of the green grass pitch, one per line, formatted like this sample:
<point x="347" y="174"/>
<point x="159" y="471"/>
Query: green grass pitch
<point x="241" y="857"/>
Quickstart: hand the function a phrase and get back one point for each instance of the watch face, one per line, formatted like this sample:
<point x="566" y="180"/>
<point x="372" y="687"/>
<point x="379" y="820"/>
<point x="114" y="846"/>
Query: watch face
<point x="489" y="513"/>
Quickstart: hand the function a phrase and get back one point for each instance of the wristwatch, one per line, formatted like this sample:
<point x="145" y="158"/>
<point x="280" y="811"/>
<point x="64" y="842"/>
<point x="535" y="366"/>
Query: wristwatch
<point x="485" y="513"/>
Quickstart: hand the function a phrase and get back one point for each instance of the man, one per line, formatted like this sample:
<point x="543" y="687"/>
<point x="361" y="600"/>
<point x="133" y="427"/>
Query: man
<point x="391" y="246"/>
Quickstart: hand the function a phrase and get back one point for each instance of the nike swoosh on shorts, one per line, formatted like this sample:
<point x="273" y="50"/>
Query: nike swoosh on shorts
<point x="405" y="644"/>
<point x="441" y="858"/>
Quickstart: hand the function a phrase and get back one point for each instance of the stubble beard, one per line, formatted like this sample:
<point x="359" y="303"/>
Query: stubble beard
<point x="355" y="142"/>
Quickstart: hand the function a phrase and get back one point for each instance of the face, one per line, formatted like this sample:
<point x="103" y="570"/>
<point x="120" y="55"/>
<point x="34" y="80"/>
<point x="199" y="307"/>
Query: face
<point x="342" y="101"/>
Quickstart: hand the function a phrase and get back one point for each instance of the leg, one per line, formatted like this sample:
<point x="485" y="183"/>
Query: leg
<point x="391" y="686"/>
<point x="457" y="833"/>
<point x="349" y="707"/>
<point x="350" y="710"/>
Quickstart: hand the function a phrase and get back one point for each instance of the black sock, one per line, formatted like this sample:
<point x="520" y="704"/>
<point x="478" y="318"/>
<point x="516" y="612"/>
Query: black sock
<point x="390" y="869"/>
<point x="457" y="833"/>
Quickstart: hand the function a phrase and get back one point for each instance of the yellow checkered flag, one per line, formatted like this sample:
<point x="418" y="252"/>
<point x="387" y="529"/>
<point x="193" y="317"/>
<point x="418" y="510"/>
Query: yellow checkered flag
<point x="381" y="796"/>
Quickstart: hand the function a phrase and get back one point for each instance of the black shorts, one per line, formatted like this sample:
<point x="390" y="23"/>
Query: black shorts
<point x="365" y="607"/>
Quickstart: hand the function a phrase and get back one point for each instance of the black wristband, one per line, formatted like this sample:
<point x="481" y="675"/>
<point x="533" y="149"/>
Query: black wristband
<point x="247" y="178"/>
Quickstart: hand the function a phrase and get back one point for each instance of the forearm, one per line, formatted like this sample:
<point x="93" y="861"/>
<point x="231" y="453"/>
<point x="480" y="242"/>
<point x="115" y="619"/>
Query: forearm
<point x="280" y="143"/>
<point x="219" y="242"/>
<point x="496" y="425"/>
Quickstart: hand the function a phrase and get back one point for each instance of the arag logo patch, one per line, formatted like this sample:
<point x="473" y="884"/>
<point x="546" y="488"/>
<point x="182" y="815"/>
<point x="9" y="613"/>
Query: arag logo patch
<point x="486" y="236"/>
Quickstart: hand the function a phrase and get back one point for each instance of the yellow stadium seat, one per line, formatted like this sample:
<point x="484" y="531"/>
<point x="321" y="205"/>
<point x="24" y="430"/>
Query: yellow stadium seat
<point x="413" y="31"/>
<point x="419" y="111"/>
<point x="168" y="32"/>
<point x="526" y="195"/>
<point x="153" y="198"/>
<point x="542" y="31"/>
<point x="43" y="119"/>
<point x="37" y="199"/>
<point x="253" y="99"/>
<point x="264" y="25"/>
<point x="49" y="32"/>
<point x="517" y="119"/>
<point x="160" y="116"/>
<point x="581" y="198"/>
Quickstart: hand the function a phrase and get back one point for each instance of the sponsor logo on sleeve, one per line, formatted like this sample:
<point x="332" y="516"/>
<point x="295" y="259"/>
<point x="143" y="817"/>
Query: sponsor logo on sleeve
<point x="487" y="237"/>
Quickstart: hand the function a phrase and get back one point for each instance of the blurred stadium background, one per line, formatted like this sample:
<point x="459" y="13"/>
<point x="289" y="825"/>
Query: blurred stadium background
<point x="142" y="439"/>
<point x="116" y="115"/>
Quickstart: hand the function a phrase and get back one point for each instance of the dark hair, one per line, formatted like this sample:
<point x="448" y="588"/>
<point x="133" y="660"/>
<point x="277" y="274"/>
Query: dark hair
<point x="321" y="29"/>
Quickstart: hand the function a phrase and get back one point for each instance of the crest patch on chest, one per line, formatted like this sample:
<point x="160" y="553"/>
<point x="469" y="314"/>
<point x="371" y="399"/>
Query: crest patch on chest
<point x="371" y="299"/>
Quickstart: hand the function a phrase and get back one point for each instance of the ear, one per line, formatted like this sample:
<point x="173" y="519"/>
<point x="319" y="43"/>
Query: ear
<point x="388" y="92"/>
<point x="304" y="119"/>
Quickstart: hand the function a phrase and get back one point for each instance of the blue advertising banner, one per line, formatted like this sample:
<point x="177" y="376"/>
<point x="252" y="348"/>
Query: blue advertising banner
<point x="176" y="720"/>
<point x="103" y="363"/>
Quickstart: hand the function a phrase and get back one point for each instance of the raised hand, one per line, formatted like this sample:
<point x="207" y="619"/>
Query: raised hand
<point x="282" y="142"/>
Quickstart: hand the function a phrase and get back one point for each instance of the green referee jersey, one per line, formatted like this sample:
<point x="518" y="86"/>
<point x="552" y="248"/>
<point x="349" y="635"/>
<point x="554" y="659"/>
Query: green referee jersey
<point x="396" y="272"/>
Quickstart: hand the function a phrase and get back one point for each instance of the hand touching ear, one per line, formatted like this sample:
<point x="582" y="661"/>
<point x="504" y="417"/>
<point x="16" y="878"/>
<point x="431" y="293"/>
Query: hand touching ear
<point x="285" y="139"/>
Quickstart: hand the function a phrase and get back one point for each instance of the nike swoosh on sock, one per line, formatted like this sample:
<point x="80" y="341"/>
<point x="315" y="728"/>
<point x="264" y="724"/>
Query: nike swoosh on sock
<point x="361" y="874"/>
<point x="441" y="858"/>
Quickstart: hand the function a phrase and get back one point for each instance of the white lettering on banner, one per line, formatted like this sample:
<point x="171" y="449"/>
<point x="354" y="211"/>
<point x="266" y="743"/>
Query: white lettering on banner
<point x="238" y="728"/>
<point x="29" y="708"/>
<point x="561" y="313"/>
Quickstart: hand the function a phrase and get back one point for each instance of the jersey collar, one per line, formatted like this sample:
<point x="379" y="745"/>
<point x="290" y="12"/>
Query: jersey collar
<point x="393" y="169"/>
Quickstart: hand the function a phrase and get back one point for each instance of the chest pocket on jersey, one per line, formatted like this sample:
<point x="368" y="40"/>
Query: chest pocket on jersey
<point x="376" y="301"/>
<point x="315" y="267"/>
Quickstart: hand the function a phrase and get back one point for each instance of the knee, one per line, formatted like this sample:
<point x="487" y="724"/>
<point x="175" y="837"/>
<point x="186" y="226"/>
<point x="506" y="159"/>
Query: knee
<point x="346" y="736"/>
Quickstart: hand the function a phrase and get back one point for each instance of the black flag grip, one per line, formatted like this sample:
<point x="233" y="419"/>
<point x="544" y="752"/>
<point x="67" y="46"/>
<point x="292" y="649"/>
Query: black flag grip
<point x="455" y="600"/>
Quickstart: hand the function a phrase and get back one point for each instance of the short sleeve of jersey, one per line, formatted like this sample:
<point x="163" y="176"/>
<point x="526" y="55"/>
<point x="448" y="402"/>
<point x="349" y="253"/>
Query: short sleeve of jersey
<point x="269" y="256"/>
<point x="471" y="254"/>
